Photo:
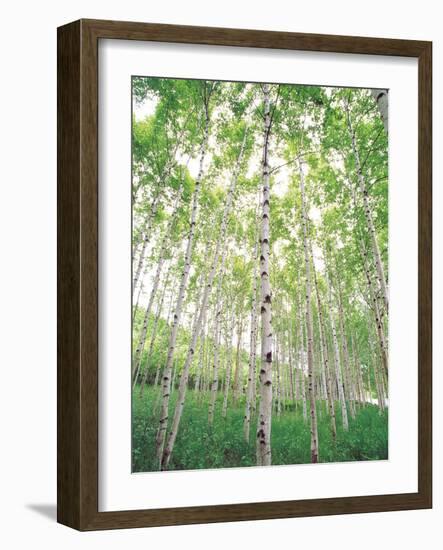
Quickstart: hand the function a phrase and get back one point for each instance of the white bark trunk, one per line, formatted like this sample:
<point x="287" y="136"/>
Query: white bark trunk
<point x="238" y="365"/>
<point x="279" y="378"/>
<point x="215" y="364"/>
<point x="153" y="337"/>
<point x="144" y="331"/>
<point x="145" y="241"/>
<point x="252" y="351"/>
<point x="201" y="354"/>
<point x="264" y="457"/>
<point x="228" y="341"/>
<point x="325" y="356"/>
<point x="338" y="374"/>
<point x="368" y="215"/>
<point x="162" y="253"/>
<point x="348" y="387"/>
<point x="302" y="354"/>
<point x="309" y="327"/>
<point x="168" y="448"/>
<point x="166" y="377"/>
<point x="376" y="310"/>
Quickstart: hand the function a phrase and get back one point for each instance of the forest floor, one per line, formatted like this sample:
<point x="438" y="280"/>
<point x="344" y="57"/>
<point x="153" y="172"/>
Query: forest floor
<point x="199" y="446"/>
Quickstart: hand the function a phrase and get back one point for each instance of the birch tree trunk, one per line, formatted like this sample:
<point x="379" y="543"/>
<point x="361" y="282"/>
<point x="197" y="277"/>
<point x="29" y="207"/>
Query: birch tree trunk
<point x="166" y="377"/>
<point x="368" y="214"/>
<point x="338" y="374"/>
<point x="236" y="388"/>
<point x="324" y="350"/>
<point x="147" y="230"/>
<point x="201" y="354"/>
<point x="145" y="240"/>
<point x="168" y="448"/>
<point x="264" y="457"/>
<point x="142" y="339"/>
<point x="302" y="355"/>
<point x="291" y="373"/>
<point x="229" y="334"/>
<point x="215" y="365"/>
<point x="153" y="337"/>
<point x="139" y="293"/>
<point x="376" y="310"/>
<point x="309" y="326"/>
<point x="217" y="337"/>
<point x="252" y="351"/>
<point x="348" y="389"/>
<point x="162" y="253"/>
<point x="278" y="376"/>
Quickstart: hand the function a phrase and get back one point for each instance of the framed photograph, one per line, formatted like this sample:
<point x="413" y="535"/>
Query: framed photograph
<point x="244" y="275"/>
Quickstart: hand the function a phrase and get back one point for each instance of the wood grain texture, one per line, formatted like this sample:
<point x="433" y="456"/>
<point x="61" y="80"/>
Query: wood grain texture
<point x="425" y="273"/>
<point x="68" y="275"/>
<point x="77" y="317"/>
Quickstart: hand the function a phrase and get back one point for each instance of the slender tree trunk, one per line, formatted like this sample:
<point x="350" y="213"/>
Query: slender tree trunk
<point x="217" y="338"/>
<point x="228" y="343"/>
<point x="375" y="309"/>
<point x="302" y="360"/>
<point x="284" y="373"/>
<point x="252" y="351"/>
<point x="238" y="365"/>
<point x="139" y="293"/>
<point x="172" y="301"/>
<point x="293" y="347"/>
<point x="357" y="370"/>
<point x="215" y="364"/>
<point x="142" y="339"/>
<point x="324" y="348"/>
<point x="290" y="362"/>
<point x="345" y="351"/>
<point x="264" y="457"/>
<point x="145" y="241"/>
<point x="309" y="327"/>
<point x="278" y="376"/>
<point x="378" y="387"/>
<point x="153" y="337"/>
<point x="147" y="230"/>
<point x="368" y="215"/>
<point x="197" y="386"/>
<point x="338" y="374"/>
<point x="162" y="254"/>
<point x="168" y="448"/>
<point x="369" y="385"/>
<point x="166" y="378"/>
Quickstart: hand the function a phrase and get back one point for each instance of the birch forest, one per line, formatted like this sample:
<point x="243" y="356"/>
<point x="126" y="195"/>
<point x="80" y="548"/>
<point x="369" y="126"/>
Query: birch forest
<point x="260" y="274"/>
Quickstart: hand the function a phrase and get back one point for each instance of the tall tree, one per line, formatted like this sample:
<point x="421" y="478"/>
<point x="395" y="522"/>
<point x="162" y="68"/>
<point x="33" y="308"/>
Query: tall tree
<point x="165" y="455"/>
<point x="264" y="456"/>
<point x="206" y="93"/>
<point x="309" y="327"/>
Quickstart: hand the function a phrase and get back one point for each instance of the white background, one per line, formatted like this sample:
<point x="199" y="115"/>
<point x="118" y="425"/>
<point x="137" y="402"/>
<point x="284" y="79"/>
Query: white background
<point x="28" y="276"/>
<point x="118" y="488"/>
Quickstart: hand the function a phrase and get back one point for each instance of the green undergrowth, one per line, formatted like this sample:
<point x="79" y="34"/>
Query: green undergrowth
<point x="199" y="446"/>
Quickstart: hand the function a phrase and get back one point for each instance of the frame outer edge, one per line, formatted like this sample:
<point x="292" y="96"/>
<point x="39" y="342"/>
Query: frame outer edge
<point x="425" y="273"/>
<point x="68" y="275"/>
<point x="77" y="314"/>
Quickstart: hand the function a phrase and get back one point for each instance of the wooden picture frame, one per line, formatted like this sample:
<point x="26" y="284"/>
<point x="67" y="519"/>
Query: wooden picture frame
<point x="77" y="455"/>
